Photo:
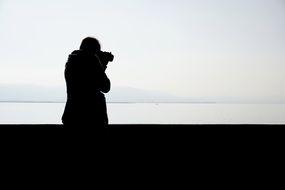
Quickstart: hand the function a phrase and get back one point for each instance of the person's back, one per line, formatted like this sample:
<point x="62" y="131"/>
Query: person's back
<point x="86" y="82"/>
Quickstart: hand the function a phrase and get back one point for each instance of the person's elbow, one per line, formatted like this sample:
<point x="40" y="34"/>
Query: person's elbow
<point x="106" y="87"/>
<point x="105" y="90"/>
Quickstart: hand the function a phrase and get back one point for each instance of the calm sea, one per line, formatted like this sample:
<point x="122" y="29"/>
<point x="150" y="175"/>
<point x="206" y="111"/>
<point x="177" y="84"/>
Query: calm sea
<point x="150" y="113"/>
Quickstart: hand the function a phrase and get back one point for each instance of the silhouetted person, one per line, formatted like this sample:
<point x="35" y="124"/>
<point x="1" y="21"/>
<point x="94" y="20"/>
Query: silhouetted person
<point x="86" y="81"/>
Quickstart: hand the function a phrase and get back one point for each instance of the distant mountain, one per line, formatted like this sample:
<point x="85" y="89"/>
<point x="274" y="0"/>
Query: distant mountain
<point x="34" y="93"/>
<point x="132" y="95"/>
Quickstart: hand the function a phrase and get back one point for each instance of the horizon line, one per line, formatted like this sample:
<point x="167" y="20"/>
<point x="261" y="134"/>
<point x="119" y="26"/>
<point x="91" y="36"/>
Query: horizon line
<point x="152" y="102"/>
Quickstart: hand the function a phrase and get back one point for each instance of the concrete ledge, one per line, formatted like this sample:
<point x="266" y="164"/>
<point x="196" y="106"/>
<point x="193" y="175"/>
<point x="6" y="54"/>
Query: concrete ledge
<point x="144" y="135"/>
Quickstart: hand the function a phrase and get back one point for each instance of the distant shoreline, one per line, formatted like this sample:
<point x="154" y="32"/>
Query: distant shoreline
<point x="113" y="102"/>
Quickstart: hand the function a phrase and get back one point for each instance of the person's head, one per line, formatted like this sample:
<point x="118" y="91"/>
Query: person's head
<point x="90" y="44"/>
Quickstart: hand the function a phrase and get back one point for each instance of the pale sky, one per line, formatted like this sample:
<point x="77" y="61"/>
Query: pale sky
<point x="189" y="48"/>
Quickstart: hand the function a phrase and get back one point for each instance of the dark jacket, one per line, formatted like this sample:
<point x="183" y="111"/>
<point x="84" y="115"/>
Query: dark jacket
<point x="86" y="82"/>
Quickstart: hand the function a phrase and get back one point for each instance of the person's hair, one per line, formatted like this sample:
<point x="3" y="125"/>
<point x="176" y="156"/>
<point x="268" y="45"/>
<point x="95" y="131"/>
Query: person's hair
<point x="90" y="44"/>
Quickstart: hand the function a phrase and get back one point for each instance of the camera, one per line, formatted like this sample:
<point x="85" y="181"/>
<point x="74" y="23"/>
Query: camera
<point x="106" y="57"/>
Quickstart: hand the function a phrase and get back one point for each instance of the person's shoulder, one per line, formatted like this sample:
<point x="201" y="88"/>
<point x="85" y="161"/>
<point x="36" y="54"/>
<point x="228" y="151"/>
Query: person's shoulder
<point x="77" y="55"/>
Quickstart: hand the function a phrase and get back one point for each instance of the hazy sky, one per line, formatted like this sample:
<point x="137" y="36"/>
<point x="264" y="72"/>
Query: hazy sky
<point x="183" y="47"/>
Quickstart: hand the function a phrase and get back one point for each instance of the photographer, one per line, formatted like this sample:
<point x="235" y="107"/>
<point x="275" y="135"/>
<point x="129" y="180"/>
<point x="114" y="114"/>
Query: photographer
<point x="86" y="81"/>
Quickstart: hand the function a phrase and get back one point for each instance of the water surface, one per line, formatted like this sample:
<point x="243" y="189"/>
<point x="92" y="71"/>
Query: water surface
<point x="150" y="113"/>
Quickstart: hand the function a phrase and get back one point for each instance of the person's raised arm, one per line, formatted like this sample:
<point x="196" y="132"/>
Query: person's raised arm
<point x="104" y="83"/>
